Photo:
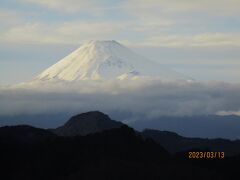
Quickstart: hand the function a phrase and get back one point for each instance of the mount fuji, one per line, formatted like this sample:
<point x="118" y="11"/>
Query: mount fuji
<point x="106" y="60"/>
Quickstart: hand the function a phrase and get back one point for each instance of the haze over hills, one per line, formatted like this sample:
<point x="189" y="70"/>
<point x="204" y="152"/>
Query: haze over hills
<point x="104" y="60"/>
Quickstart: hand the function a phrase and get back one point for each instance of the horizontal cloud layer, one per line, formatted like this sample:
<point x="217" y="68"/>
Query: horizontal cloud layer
<point x="141" y="98"/>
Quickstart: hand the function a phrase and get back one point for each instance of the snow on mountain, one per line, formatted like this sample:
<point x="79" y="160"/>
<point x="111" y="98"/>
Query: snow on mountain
<point x="106" y="60"/>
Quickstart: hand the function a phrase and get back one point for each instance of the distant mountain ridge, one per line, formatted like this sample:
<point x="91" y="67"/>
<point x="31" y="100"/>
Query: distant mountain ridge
<point x="25" y="134"/>
<point x="204" y="126"/>
<point x="175" y="143"/>
<point x="211" y="126"/>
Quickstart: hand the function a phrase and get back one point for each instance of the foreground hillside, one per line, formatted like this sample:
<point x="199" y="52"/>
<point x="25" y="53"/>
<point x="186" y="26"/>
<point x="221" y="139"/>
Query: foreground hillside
<point x="110" y="153"/>
<point x="175" y="143"/>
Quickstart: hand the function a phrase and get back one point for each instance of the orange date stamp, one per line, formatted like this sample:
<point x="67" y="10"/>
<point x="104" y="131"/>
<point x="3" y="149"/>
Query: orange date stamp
<point x="206" y="155"/>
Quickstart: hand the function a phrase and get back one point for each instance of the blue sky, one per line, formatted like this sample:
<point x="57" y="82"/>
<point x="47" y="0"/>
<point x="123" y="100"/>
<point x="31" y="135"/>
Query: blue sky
<point x="200" y="39"/>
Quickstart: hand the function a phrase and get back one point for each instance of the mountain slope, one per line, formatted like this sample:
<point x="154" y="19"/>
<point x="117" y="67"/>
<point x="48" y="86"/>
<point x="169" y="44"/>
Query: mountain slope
<point x="204" y="126"/>
<point x="174" y="143"/>
<point x="113" y="154"/>
<point x="87" y="123"/>
<point x="118" y="153"/>
<point x="97" y="60"/>
<point x="25" y="134"/>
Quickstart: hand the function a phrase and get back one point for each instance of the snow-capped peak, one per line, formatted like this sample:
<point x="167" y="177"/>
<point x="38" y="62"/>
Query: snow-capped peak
<point x="97" y="60"/>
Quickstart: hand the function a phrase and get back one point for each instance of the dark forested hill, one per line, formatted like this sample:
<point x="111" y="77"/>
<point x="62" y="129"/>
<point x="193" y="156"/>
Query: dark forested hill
<point x="87" y="123"/>
<point x="114" y="153"/>
<point x="176" y="143"/>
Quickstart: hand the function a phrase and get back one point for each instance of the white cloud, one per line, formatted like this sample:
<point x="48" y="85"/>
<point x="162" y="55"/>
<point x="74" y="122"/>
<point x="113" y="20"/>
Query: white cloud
<point x="227" y="113"/>
<point x="9" y="17"/>
<point x="78" y="32"/>
<point x="148" y="99"/>
<point x="181" y="16"/>
<point x="152" y="25"/>
<point x="199" y="40"/>
<point x="62" y="33"/>
<point x="70" y="6"/>
<point x="27" y="33"/>
<point x="150" y="7"/>
<point x="89" y="29"/>
<point x="213" y="7"/>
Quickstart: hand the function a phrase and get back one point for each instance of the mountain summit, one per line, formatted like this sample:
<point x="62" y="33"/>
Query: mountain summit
<point x="101" y="60"/>
<point x="87" y="123"/>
